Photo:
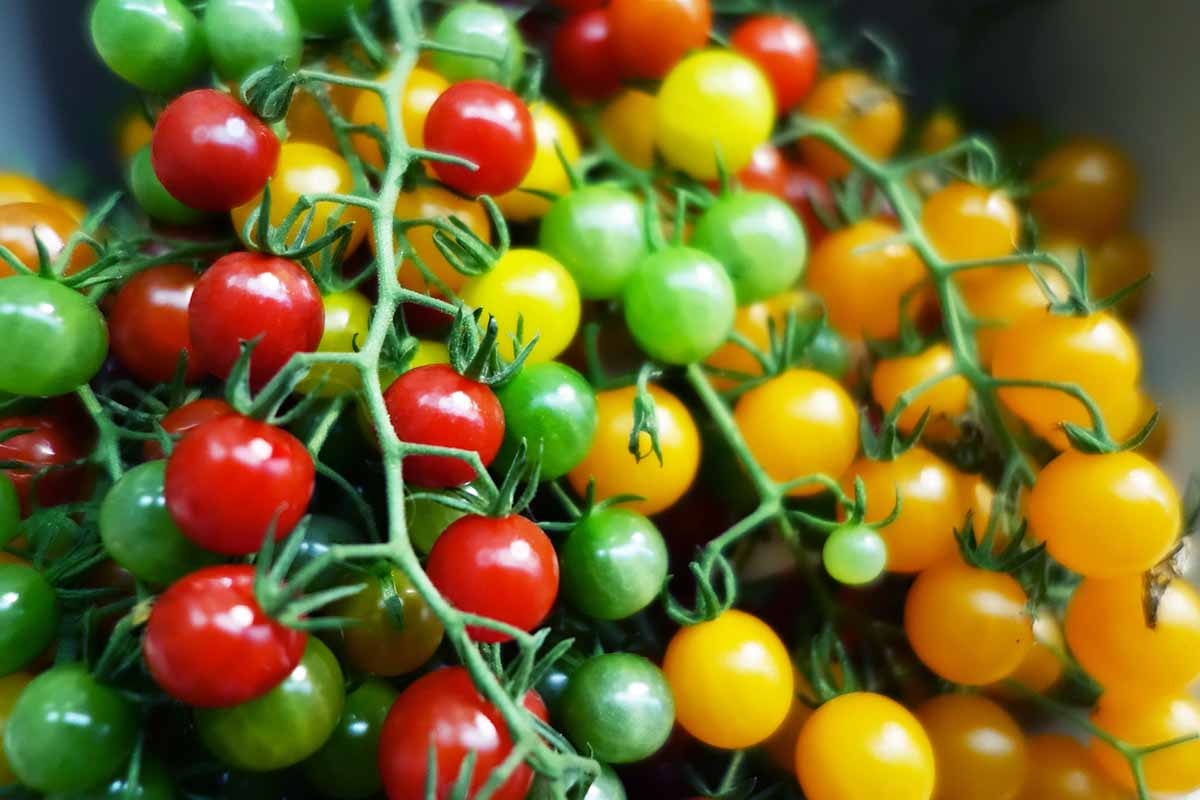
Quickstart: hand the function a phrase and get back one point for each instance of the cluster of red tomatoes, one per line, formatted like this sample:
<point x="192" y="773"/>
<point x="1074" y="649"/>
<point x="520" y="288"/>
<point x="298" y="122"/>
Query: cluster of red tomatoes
<point x="280" y="516"/>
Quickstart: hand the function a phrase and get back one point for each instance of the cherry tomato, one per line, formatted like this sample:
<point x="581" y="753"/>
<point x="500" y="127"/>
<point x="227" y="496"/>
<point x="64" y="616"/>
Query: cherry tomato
<point x="247" y="295"/>
<point x="329" y="17"/>
<point x="863" y="281"/>
<point x="11" y="687"/>
<point x="584" y="57"/>
<point x="942" y="129"/>
<point x="614" y="563"/>
<point x="1004" y="296"/>
<point x="808" y="192"/>
<point x="1143" y="721"/>
<point x="758" y="239"/>
<point x="444" y="710"/>
<point x="1107" y="630"/>
<point x="284" y="726"/>
<point x="978" y="749"/>
<point x="156" y="46"/>
<point x="1085" y="187"/>
<point x="785" y="50"/>
<point x="429" y="202"/>
<point x="210" y="152"/>
<point x="246" y="35"/>
<point x="304" y="170"/>
<point x="482" y="28"/>
<point x="49" y="445"/>
<point x="797" y="424"/>
<point x="10" y="510"/>
<point x="55" y="339"/>
<point x="528" y="287"/>
<point x="629" y="127"/>
<point x="552" y="408"/>
<point x="766" y="172"/>
<point x="862" y="109"/>
<point x="149" y="324"/>
<point x="968" y="625"/>
<point x="17" y="188"/>
<point x="1060" y="768"/>
<point x="347" y="321"/>
<point x="209" y="644"/>
<point x="854" y="555"/>
<point x="347" y="765"/>
<point x="376" y="643"/>
<point x="618" y="707"/>
<point x="597" y="233"/>
<point x="863" y="745"/>
<point x="68" y="732"/>
<point x="153" y="197"/>
<point x="894" y="376"/>
<point x="650" y="36"/>
<point x="435" y="405"/>
<point x="421" y="90"/>
<point x="505" y="569"/>
<point x="487" y="125"/>
<point x="1042" y="666"/>
<point x="23" y="224"/>
<point x="232" y="479"/>
<point x="28" y="616"/>
<point x="554" y="135"/>
<point x="713" y="105"/>
<point x="617" y="472"/>
<point x="185" y="418"/>
<point x="966" y="222"/>
<point x="1096" y="353"/>
<point x="1116" y="262"/>
<point x="733" y="661"/>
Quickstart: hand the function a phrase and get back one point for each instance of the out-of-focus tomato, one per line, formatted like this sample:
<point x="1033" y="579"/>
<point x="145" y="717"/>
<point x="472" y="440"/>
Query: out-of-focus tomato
<point x="24" y="224"/>
<point x="1085" y="187"/>
<point x="1143" y="721"/>
<point x="864" y="110"/>
<point x="978" y="749"/>
<point x="628" y="125"/>
<point x="650" y="36"/>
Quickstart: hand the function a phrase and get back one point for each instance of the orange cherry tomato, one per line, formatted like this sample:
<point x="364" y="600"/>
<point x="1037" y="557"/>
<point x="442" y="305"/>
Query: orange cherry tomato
<point x="942" y="129"/>
<point x="1060" y="768"/>
<point x="20" y="223"/>
<point x="1142" y="721"/>
<point x="428" y="202"/>
<point x="966" y="222"/>
<point x="978" y="748"/>
<point x="1084" y="187"/>
<point x="864" y="110"/>
<point x="1001" y="296"/>
<point x="894" y="376"/>
<point x="628" y="126"/>
<point x="649" y="36"/>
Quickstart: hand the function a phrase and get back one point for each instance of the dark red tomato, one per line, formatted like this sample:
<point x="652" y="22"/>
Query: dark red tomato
<point x="245" y="295"/>
<point x="437" y="406"/>
<point x="576" y="6"/>
<point x="423" y="320"/>
<point x="502" y="568"/>
<point x="489" y="126"/>
<point x="766" y="172"/>
<point x="785" y="50"/>
<point x="443" y="709"/>
<point x="148" y="324"/>
<point x="209" y="644"/>
<point x="806" y="190"/>
<point x="184" y="418"/>
<point x="650" y="36"/>
<point x="585" y="62"/>
<point x="51" y="442"/>
<point x="231" y="478"/>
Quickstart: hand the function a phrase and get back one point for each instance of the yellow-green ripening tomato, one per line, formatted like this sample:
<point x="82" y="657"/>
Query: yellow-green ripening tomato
<point x="553" y="132"/>
<point x="713" y="103"/>
<point x="347" y="318"/>
<point x="530" y="286"/>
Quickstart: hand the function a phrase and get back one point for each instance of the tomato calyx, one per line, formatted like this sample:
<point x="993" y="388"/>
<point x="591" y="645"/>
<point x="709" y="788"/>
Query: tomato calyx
<point x="478" y="359"/>
<point x="981" y="552"/>
<point x="268" y="91"/>
<point x="288" y="239"/>
<point x="828" y="669"/>
<point x="1096" y="439"/>
<point x="281" y="596"/>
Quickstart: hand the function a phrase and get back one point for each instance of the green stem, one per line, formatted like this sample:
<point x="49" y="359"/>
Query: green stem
<point x="108" y="437"/>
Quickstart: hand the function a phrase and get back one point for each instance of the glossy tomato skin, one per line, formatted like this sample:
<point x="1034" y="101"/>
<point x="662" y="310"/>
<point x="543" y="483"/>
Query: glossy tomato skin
<point x="246" y="35"/>
<point x="759" y="241"/>
<point x="435" y="405"/>
<point x="862" y="109"/>
<point x="971" y="223"/>
<point x="232" y="479"/>
<point x="1060" y="768"/>
<point x="1142" y="721"/>
<point x="502" y="568"/>
<point x="347" y="765"/>
<point x="552" y="408"/>
<point x="584" y="58"/>
<point x="614" y="563"/>
<point x="597" y="233"/>
<point x="618" y="707"/>
<point x="183" y="419"/>
<point x="556" y="143"/>
<point x="978" y="748"/>
<point x="444" y="709"/>
<point x="785" y="50"/>
<point x="375" y="643"/>
<point x="766" y="172"/>
<point x="895" y="376"/>
<point x="28" y="616"/>
<point x="347" y="324"/>
<point x="149" y="324"/>
<point x="650" y="36"/>
<point x="50" y="443"/>
<point x="482" y="28"/>
<point x="487" y="125"/>
<point x="153" y="197"/>
<point x="55" y="338"/>
<point x="210" y="152"/>
<point x="247" y="295"/>
<point x="24" y="224"/>
<point x="209" y="644"/>
<point x="156" y="46"/>
<point x="284" y="726"/>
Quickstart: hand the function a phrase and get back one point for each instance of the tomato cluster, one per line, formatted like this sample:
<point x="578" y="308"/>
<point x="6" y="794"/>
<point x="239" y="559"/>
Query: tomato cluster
<point x="427" y="426"/>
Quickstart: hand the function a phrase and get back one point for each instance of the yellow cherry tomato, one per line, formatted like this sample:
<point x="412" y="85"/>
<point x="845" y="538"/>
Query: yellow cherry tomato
<point x="1060" y="768"/>
<point x="966" y="222"/>
<point x="1042" y="666"/>
<point x="347" y="319"/>
<point x="978" y="748"/>
<point x="932" y="506"/>
<point x="1142" y="721"/>
<point x="797" y="424"/>
<point x="713" y="104"/>
<point x="1116" y="262"/>
<point x="309" y="169"/>
<point x="942" y="129"/>
<point x="753" y="323"/>
<point x="433" y="202"/>
<point x="863" y="746"/>
<point x="422" y="88"/>
<point x="547" y="173"/>
<point x="133" y="133"/>
<point x="530" y="286"/>
<point x="629" y="128"/>
<point x="24" y="225"/>
<point x="1001" y="296"/>
<point x="17" y="188"/>
<point x="614" y="468"/>
<point x="863" y="281"/>
<point x="1096" y="353"/>
<point x="10" y="688"/>
<point x="732" y="662"/>
<point x="1156" y="443"/>
<point x="1085" y="187"/>
<point x="862" y="109"/>
<point x="894" y="376"/>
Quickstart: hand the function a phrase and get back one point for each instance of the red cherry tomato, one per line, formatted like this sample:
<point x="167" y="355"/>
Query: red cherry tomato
<point x="785" y="50"/>
<point x="807" y="190"/>
<point x="437" y="406"/>
<point x="246" y="295"/>
<point x="585" y="62"/>
<point x="502" y="568"/>
<point x="488" y="125"/>
<point x="209" y="644"/>
<point x="184" y="418"/>
<point x="444" y="710"/>
<point x="576" y="6"/>
<point x="231" y="478"/>
<point x="767" y="172"/>
<point x="148" y="324"/>
<point x="210" y="152"/>
<point x="52" y="442"/>
<point x="650" y="36"/>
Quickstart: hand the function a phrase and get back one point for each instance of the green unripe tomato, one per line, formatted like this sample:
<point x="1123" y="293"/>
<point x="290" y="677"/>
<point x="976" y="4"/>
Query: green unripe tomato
<point x="428" y="519"/>
<point x="328" y="17"/>
<point x="153" y="783"/>
<point x="10" y="510"/>
<point x="156" y="45"/>
<point x="68" y="732"/>
<point x="553" y="407"/>
<point x="481" y="28"/>
<point x="247" y="35"/>
<point x="606" y="787"/>
<point x="679" y="305"/>
<point x="321" y="533"/>
<point x="28" y="616"/>
<point x="618" y="707"/>
<point x="614" y="563"/>
<point x="347" y="765"/>
<point x="153" y="197"/>
<point x="758" y="239"/>
<point x="854" y="555"/>
<point x="827" y="352"/>
<point x="54" y="338"/>
<point x="597" y="233"/>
